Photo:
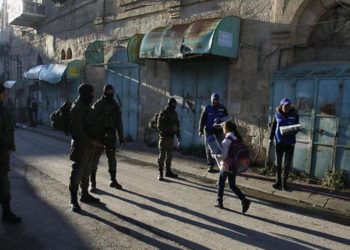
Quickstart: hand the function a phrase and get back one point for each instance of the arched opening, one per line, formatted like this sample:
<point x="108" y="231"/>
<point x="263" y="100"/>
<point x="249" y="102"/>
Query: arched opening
<point x="329" y="37"/>
<point x="69" y="54"/>
<point x="63" y="55"/>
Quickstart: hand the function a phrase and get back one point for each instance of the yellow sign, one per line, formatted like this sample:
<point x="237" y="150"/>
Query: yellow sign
<point x="74" y="72"/>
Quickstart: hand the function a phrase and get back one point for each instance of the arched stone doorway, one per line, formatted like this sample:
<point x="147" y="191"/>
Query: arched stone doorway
<point x="319" y="76"/>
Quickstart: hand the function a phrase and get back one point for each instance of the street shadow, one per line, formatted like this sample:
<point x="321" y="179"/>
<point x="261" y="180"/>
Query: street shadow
<point x="212" y="189"/>
<point x="298" y="209"/>
<point x="144" y="238"/>
<point x="248" y="236"/>
<point x="296" y="228"/>
<point x="43" y="226"/>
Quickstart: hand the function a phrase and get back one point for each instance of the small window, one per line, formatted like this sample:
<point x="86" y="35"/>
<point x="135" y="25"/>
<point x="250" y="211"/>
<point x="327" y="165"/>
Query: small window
<point x="63" y="55"/>
<point x="69" y="53"/>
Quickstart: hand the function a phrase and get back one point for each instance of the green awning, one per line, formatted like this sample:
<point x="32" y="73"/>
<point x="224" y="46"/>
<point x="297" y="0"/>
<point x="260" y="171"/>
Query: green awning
<point x="133" y="49"/>
<point x="94" y="54"/>
<point x="218" y="37"/>
<point x="75" y="70"/>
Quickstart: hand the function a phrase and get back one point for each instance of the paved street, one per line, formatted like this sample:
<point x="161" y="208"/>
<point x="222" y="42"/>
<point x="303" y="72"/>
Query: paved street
<point x="148" y="214"/>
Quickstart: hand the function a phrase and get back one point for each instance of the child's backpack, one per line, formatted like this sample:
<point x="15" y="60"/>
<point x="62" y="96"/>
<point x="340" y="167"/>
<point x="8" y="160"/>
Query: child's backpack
<point x="153" y="121"/>
<point x="60" y="119"/>
<point x="237" y="160"/>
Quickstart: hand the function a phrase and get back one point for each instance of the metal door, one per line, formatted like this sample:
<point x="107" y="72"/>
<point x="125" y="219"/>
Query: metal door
<point x="124" y="77"/>
<point x="193" y="83"/>
<point x="342" y="155"/>
<point x="322" y="103"/>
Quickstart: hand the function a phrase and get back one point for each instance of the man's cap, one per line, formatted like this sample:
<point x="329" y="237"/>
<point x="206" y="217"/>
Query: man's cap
<point x="285" y="101"/>
<point x="214" y="96"/>
<point x="172" y="102"/>
<point x="107" y="87"/>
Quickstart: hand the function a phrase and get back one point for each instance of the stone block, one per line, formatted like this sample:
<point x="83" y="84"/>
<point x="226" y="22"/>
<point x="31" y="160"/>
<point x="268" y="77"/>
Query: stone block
<point x="342" y="206"/>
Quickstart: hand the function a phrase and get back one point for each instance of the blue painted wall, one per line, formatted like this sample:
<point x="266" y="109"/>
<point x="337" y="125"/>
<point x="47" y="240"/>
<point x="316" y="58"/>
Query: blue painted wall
<point x="193" y="83"/>
<point x="322" y="98"/>
<point x="124" y="77"/>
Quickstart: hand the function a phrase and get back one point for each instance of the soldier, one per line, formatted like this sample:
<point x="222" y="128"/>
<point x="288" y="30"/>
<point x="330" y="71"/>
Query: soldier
<point x="168" y="125"/>
<point x="211" y="113"/>
<point x="7" y="145"/>
<point x="83" y="146"/>
<point x="108" y="119"/>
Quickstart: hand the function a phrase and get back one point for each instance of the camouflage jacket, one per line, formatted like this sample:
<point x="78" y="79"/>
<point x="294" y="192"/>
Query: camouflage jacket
<point x="83" y="130"/>
<point x="108" y="118"/>
<point x="166" y="121"/>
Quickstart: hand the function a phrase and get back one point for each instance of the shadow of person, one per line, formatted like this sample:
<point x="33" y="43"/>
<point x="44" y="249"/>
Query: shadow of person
<point x="144" y="238"/>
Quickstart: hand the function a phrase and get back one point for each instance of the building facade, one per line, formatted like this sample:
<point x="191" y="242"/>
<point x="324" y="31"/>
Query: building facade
<point x="283" y="48"/>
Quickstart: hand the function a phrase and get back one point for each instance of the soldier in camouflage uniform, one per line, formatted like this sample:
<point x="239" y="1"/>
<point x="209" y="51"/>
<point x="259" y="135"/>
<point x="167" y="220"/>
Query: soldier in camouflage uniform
<point x="7" y="145"/>
<point x="84" y="144"/>
<point x="168" y="125"/>
<point x="108" y="119"/>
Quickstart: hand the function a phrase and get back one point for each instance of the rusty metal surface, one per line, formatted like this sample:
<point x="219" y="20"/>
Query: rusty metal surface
<point x="196" y="38"/>
<point x="199" y="36"/>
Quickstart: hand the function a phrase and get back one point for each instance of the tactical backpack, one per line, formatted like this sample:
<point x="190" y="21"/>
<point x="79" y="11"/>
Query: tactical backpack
<point x="237" y="160"/>
<point x="153" y="121"/>
<point x="60" y="119"/>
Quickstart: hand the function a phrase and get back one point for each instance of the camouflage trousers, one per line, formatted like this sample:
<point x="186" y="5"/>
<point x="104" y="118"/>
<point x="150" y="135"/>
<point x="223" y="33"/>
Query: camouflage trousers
<point x="82" y="157"/>
<point x="112" y="161"/>
<point x="165" y="146"/>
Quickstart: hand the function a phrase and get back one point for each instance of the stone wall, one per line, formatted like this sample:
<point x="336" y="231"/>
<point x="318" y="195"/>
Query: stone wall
<point x="271" y="32"/>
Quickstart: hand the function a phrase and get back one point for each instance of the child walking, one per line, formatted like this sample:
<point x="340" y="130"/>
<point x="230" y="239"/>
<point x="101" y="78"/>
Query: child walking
<point x="230" y="130"/>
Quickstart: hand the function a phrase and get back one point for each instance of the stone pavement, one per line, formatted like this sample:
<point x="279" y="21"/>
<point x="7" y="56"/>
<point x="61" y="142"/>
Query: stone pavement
<point x="301" y="194"/>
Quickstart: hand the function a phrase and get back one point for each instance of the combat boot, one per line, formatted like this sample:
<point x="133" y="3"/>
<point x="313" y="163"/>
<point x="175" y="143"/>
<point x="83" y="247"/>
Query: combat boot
<point x="114" y="183"/>
<point x="160" y="170"/>
<point x="7" y="215"/>
<point x="219" y="204"/>
<point x="284" y="185"/>
<point x="74" y="205"/>
<point x="88" y="198"/>
<point x="93" y="182"/>
<point x="245" y="205"/>
<point x="170" y="174"/>
<point x="160" y="176"/>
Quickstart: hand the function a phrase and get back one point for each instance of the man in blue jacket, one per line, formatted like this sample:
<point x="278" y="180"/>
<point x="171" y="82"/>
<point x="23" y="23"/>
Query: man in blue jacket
<point x="212" y="113"/>
<point x="285" y="115"/>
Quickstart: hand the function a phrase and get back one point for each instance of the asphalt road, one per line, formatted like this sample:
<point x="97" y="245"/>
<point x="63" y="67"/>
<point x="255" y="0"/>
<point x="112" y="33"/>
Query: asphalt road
<point x="147" y="214"/>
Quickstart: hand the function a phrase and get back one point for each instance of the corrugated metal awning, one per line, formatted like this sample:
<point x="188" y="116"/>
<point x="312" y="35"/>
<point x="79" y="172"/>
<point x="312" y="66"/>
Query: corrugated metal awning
<point x="9" y="84"/>
<point x="94" y="54"/>
<point x="33" y="73"/>
<point x="218" y="37"/>
<point x="50" y="73"/>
